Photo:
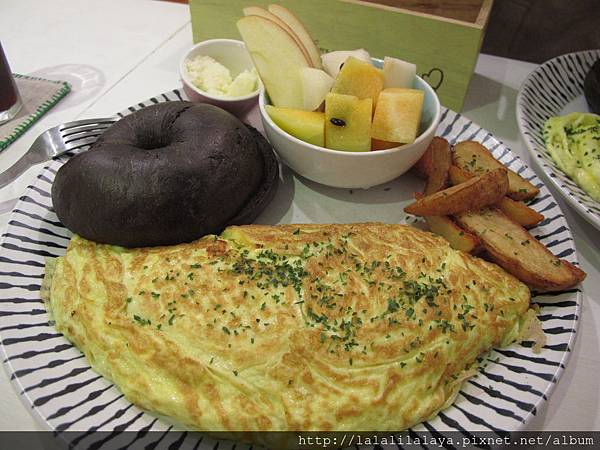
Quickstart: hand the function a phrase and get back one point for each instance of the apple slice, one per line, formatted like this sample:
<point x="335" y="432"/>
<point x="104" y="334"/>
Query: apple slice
<point x="398" y="73"/>
<point x="307" y="126"/>
<point x="277" y="58"/>
<point x="316" y="84"/>
<point x="258" y="11"/>
<point x="332" y="61"/>
<point x="301" y="32"/>
<point x="398" y="115"/>
<point x="348" y="122"/>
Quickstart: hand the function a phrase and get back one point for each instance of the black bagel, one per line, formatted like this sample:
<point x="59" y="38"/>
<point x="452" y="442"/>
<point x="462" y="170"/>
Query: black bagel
<point x="166" y="174"/>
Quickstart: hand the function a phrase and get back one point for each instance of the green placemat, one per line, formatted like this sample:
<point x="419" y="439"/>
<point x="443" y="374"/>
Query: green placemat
<point x="38" y="96"/>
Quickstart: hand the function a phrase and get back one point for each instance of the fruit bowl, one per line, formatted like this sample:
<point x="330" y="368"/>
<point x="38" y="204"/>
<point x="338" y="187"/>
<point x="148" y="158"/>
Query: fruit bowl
<point x="353" y="169"/>
<point x="233" y="55"/>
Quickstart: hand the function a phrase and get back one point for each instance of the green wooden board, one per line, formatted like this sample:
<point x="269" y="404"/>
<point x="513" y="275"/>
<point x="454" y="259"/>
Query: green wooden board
<point x="445" y="52"/>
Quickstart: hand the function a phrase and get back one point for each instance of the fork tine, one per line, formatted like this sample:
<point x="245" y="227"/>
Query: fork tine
<point x="81" y="133"/>
<point x="69" y="143"/>
<point x="79" y="123"/>
<point x="83" y="129"/>
<point x="75" y="144"/>
<point x="77" y="134"/>
<point x="57" y="141"/>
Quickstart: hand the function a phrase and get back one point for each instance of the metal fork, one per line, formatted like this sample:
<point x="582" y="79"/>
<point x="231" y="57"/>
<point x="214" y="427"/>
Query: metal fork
<point x="57" y="141"/>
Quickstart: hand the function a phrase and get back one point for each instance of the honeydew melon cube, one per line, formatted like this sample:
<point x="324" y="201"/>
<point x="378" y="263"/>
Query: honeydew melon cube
<point x="333" y="61"/>
<point x="398" y="73"/>
<point x="308" y="126"/>
<point x="316" y="84"/>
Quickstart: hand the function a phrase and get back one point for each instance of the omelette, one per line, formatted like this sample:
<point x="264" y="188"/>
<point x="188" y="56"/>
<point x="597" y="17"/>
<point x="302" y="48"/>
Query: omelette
<point x="290" y="328"/>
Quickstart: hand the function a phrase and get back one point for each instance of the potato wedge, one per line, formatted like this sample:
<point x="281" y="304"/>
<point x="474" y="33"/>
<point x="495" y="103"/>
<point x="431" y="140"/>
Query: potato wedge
<point x="438" y="164"/>
<point x="458" y="175"/>
<point x="510" y="246"/>
<point x="475" y="158"/>
<point x="423" y="166"/>
<point x="458" y="238"/>
<point x="472" y="195"/>
<point x="517" y="211"/>
<point x="441" y="159"/>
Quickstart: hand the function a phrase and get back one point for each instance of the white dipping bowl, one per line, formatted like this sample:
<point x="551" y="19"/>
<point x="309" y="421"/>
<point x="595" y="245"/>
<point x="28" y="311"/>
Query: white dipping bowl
<point x="233" y="55"/>
<point x="353" y="169"/>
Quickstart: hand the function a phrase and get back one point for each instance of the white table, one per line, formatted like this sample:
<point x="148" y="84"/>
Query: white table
<point x="117" y="53"/>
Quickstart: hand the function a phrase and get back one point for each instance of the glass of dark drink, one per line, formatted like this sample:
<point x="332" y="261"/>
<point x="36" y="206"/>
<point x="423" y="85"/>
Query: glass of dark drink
<point x="10" y="101"/>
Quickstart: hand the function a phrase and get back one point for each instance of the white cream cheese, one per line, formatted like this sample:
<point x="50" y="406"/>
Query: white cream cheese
<point x="214" y="78"/>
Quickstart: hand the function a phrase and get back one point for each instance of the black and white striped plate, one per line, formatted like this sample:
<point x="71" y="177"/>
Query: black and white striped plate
<point x="553" y="89"/>
<point x="57" y="383"/>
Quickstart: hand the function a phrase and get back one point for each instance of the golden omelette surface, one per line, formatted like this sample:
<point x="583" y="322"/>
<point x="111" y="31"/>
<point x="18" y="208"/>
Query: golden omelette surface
<point x="294" y="327"/>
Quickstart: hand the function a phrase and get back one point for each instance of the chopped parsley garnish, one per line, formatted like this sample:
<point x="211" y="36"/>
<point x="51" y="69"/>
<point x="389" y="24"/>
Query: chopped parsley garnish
<point x="141" y="321"/>
<point x="445" y="326"/>
<point x="393" y="305"/>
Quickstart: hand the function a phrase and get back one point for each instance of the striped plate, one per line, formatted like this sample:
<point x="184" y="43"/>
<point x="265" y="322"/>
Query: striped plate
<point x="56" y="382"/>
<point x="553" y="89"/>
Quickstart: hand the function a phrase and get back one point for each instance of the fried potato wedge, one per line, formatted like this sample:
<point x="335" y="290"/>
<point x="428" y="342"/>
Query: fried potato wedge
<point x="424" y="165"/>
<point x="474" y="194"/>
<point x="517" y="211"/>
<point x="510" y="246"/>
<point x="438" y="164"/>
<point x="458" y="175"/>
<point x="458" y="238"/>
<point x="476" y="159"/>
<point x="441" y="160"/>
<point x="520" y="212"/>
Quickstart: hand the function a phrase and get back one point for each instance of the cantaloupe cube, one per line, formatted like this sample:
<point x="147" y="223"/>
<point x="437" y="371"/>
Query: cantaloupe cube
<point x="398" y="115"/>
<point x="348" y="122"/>
<point x="359" y="78"/>
<point x="308" y="126"/>
<point x="377" y="144"/>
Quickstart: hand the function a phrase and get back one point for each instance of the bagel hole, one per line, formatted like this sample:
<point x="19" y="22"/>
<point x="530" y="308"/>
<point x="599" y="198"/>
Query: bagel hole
<point x="153" y="141"/>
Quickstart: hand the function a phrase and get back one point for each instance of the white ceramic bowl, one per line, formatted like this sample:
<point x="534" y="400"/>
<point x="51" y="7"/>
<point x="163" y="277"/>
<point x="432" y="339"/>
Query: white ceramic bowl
<point x="353" y="169"/>
<point x="233" y="55"/>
